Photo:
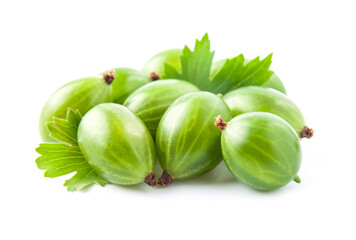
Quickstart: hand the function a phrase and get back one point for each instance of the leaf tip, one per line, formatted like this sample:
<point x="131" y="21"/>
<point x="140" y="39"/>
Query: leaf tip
<point x="269" y="56"/>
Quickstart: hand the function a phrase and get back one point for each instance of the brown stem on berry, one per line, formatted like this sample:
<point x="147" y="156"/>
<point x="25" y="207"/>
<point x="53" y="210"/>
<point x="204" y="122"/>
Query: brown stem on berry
<point x="307" y="132"/>
<point x="165" y="179"/>
<point x="220" y="123"/>
<point x="150" y="180"/>
<point x="154" y="76"/>
<point x="109" y="76"/>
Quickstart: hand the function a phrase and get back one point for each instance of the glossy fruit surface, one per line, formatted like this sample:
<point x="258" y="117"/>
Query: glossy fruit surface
<point x="150" y="101"/>
<point x="259" y="99"/>
<point x="126" y="81"/>
<point x="261" y="150"/>
<point x="274" y="81"/>
<point x="82" y="94"/>
<point x="187" y="141"/>
<point x="116" y="144"/>
<point x="156" y="63"/>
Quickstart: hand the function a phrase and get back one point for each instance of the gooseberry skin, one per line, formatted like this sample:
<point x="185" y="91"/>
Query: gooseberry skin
<point x="116" y="144"/>
<point x="126" y="81"/>
<point x="81" y="94"/>
<point x="261" y="150"/>
<point x="273" y="82"/>
<point x="187" y="141"/>
<point x="157" y="62"/>
<point x="259" y="99"/>
<point x="276" y="83"/>
<point x="150" y="101"/>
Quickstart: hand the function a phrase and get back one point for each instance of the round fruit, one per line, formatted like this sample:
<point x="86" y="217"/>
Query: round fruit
<point x="259" y="99"/>
<point x="127" y="80"/>
<point x="187" y="142"/>
<point x="117" y="145"/>
<point x="273" y="82"/>
<point x="156" y="63"/>
<point x="261" y="150"/>
<point x="82" y="94"/>
<point x="150" y="101"/>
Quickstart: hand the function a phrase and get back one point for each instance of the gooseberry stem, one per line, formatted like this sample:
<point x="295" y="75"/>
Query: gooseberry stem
<point x="150" y="179"/>
<point x="220" y="123"/>
<point x="297" y="179"/>
<point x="109" y="76"/>
<point x="307" y="132"/>
<point x="154" y="76"/>
<point x="165" y="179"/>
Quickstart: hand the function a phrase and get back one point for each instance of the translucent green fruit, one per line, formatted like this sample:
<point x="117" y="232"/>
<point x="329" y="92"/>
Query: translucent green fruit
<point x="82" y="94"/>
<point x="261" y="150"/>
<point x="156" y="63"/>
<point x="259" y="99"/>
<point x="274" y="81"/>
<point x="117" y="145"/>
<point x="151" y="100"/>
<point x="187" y="142"/>
<point x="127" y="80"/>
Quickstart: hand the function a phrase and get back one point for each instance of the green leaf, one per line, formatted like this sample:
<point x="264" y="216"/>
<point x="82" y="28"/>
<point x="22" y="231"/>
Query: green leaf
<point x="65" y="157"/>
<point x="59" y="159"/>
<point x="65" y="130"/>
<point x="234" y="74"/>
<point x="84" y="178"/>
<point x="256" y="72"/>
<point x="196" y="64"/>
<point x="226" y="79"/>
<point x="196" y="67"/>
<point x="171" y="72"/>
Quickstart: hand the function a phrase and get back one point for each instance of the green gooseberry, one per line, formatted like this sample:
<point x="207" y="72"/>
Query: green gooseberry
<point x="150" y="101"/>
<point x="261" y="150"/>
<point x="155" y="66"/>
<point x="260" y="99"/>
<point x="117" y="145"/>
<point x="187" y="142"/>
<point x="276" y="83"/>
<point x="82" y="94"/>
<point x="127" y="80"/>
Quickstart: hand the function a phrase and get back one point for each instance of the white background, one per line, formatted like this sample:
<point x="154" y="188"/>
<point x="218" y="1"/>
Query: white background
<point x="45" y="44"/>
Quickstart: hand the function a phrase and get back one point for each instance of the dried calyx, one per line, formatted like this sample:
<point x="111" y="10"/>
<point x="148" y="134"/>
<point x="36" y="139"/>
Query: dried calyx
<point x="150" y="180"/>
<point x="220" y="123"/>
<point x="307" y="132"/>
<point x="165" y="179"/>
<point x="154" y="76"/>
<point x="109" y="76"/>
